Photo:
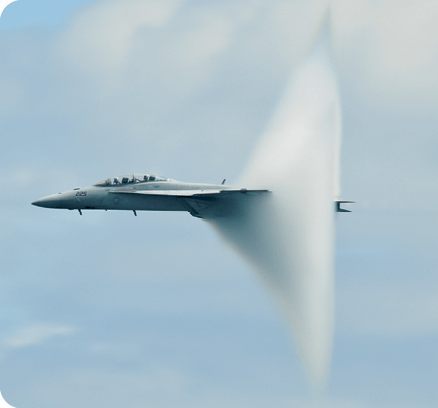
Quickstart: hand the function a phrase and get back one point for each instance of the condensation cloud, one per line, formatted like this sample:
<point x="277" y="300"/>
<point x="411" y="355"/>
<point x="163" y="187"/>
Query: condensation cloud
<point x="288" y="235"/>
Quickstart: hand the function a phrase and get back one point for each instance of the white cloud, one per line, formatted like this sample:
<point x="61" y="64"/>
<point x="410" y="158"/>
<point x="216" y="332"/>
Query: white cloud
<point x="36" y="334"/>
<point x="101" y="35"/>
<point x="406" y="35"/>
<point x="210" y="35"/>
<point x="388" y="49"/>
<point x="349" y="18"/>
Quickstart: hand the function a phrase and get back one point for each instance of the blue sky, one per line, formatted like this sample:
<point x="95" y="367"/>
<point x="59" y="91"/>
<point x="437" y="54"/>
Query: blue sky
<point x="24" y="13"/>
<point x="109" y="309"/>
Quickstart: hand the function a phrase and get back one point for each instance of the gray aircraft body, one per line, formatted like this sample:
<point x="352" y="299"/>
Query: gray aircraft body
<point x="145" y="192"/>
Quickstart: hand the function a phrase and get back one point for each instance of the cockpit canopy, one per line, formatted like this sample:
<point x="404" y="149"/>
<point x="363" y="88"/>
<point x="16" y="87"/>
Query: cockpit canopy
<point x="130" y="179"/>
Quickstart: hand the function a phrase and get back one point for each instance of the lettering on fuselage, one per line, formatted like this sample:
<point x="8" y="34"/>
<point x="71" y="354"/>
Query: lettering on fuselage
<point x="81" y="193"/>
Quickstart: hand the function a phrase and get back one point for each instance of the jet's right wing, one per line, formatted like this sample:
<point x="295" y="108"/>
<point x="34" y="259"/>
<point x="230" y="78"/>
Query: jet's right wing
<point x="194" y="193"/>
<point x="211" y="204"/>
<point x="205" y="203"/>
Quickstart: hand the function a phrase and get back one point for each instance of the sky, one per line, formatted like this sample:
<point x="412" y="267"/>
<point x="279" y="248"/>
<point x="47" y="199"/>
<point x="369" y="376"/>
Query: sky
<point x="109" y="309"/>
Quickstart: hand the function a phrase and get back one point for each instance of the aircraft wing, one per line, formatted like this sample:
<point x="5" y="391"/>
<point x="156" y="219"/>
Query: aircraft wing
<point x="203" y="203"/>
<point x="194" y="193"/>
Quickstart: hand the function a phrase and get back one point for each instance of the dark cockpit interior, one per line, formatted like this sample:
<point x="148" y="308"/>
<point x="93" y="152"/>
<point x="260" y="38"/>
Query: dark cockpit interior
<point x="130" y="179"/>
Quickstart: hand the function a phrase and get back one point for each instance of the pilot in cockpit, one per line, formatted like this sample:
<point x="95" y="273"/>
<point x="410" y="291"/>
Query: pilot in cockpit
<point x="145" y="177"/>
<point x="116" y="180"/>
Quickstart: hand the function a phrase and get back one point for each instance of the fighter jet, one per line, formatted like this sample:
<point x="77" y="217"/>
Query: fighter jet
<point x="146" y="192"/>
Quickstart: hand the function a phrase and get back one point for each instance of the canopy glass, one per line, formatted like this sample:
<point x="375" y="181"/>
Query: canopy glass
<point x="130" y="179"/>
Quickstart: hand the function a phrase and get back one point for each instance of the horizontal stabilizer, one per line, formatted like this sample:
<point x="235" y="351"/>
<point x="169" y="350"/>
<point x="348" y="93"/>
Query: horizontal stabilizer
<point x="338" y="205"/>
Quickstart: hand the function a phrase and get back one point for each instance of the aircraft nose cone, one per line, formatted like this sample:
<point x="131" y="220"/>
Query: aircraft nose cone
<point x="47" y="202"/>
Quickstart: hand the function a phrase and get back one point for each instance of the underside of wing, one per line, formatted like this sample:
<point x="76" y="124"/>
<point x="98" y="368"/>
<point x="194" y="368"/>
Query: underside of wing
<point x="194" y="193"/>
<point x="206" y="204"/>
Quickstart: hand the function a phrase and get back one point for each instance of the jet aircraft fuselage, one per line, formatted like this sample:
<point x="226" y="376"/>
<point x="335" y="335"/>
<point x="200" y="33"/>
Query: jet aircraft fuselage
<point x="144" y="192"/>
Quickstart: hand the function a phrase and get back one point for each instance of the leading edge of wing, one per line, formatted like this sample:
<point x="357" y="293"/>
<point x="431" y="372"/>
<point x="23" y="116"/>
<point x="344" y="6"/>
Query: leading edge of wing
<point x="193" y="193"/>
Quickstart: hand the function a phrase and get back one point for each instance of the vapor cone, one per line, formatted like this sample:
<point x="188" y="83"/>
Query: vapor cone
<point x="288" y="235"/>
